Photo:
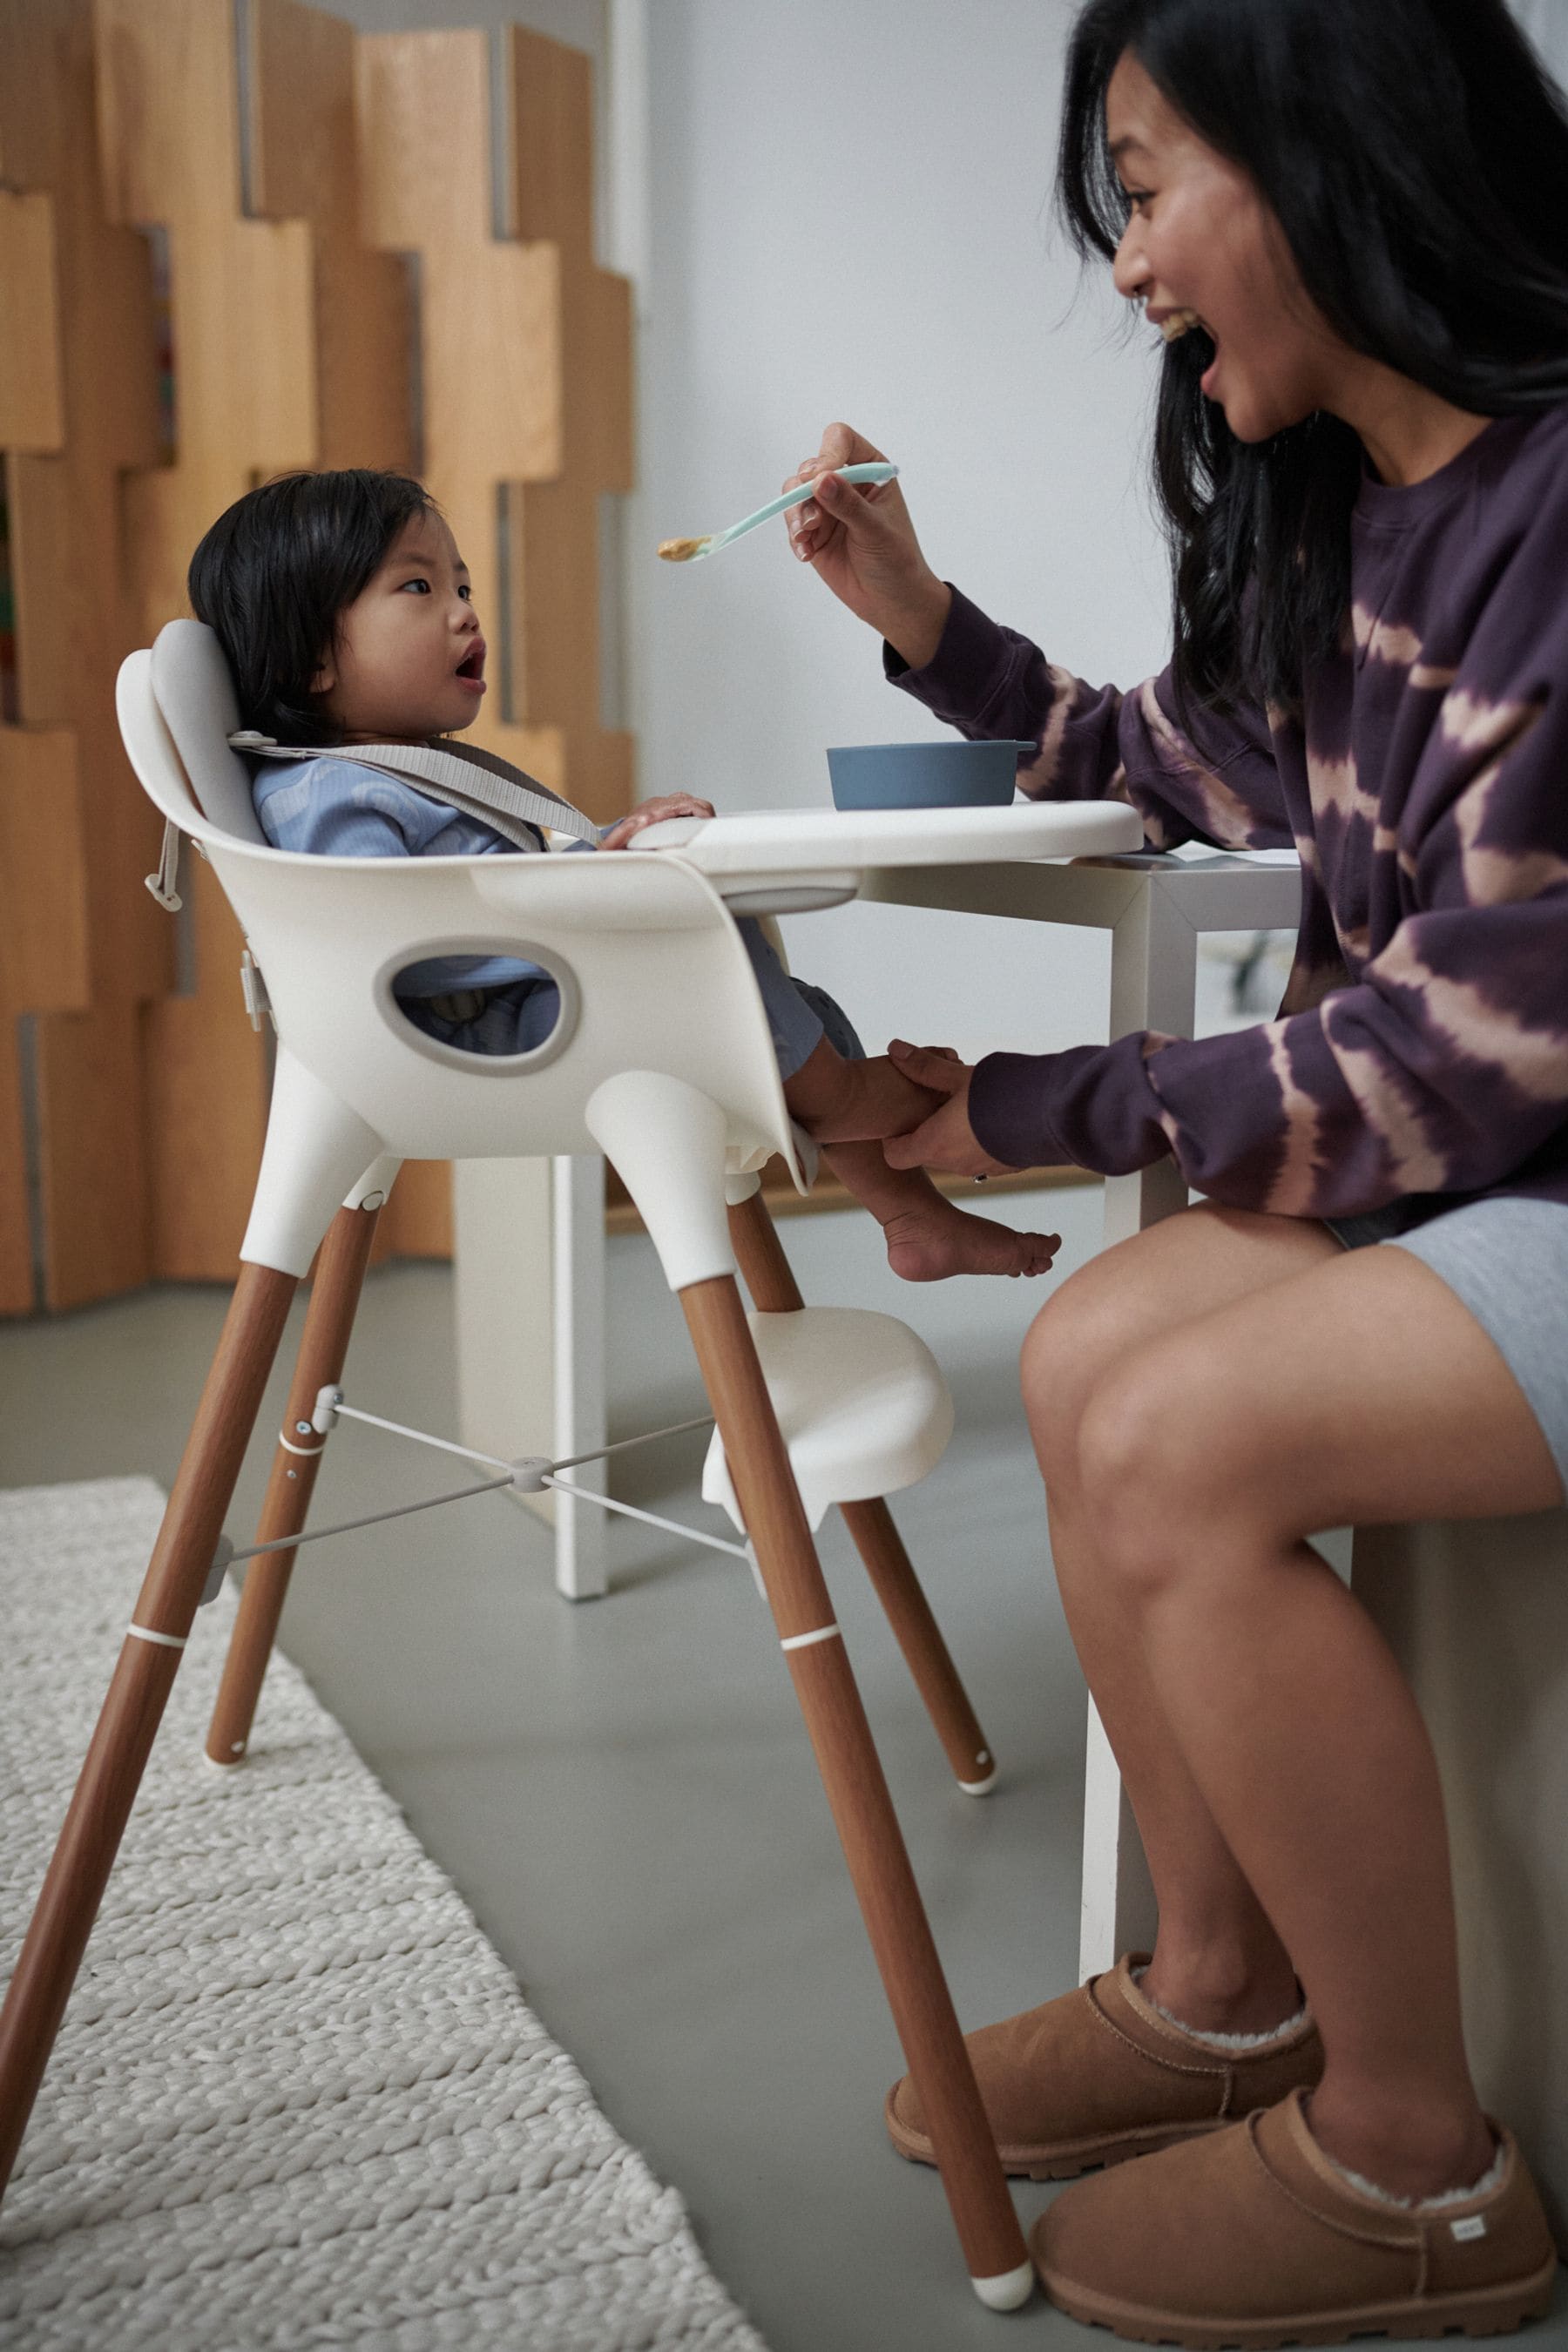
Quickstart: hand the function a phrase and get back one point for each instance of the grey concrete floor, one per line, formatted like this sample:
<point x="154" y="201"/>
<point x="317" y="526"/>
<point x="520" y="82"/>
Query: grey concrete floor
<point x="622" y="1790"/>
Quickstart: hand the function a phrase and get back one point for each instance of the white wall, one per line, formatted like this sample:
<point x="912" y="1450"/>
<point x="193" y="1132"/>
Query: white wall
<point x="849" y="217"/>
<point x="1545" y="22"/>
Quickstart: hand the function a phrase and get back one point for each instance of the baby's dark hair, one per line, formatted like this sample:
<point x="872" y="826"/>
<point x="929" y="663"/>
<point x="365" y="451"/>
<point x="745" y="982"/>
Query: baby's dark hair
<point x="275" y="571"/>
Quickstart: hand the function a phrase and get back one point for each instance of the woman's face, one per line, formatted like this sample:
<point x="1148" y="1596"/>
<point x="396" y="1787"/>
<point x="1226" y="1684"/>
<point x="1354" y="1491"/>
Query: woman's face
<point x="1201" y="238"/>
<point x="408" y="660"/>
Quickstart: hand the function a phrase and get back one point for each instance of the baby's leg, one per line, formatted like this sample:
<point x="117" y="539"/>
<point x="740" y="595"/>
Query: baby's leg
<point x="929" y="1237"/>
<point x="832" y="1090"/>
<point x="841" y="1101"/>
<point x="836" y="1094"/>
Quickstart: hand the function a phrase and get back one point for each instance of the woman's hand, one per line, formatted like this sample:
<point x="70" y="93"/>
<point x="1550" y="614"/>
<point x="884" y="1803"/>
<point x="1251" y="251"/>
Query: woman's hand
<point x="945" y="1140"/>
<point x="857" y="537"/>
<point x="654" y="812"/>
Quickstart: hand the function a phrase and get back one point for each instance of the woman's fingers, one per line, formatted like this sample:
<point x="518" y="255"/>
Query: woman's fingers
<point x="842" y="446"/>
<point x="936" y="1066"/>
<point x="809" y="530"/>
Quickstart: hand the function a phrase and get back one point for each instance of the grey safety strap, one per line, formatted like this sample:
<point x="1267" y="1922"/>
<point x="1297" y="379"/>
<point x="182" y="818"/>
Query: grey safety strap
<point x="474" y="782"/>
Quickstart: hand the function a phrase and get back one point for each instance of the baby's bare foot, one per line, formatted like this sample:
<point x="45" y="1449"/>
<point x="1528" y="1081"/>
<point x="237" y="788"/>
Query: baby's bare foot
<point x="930" y="1243"/>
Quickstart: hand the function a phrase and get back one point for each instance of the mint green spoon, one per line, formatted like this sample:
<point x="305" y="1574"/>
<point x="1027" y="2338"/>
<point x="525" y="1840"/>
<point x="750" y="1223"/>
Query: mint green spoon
<point x="693" y="551"/>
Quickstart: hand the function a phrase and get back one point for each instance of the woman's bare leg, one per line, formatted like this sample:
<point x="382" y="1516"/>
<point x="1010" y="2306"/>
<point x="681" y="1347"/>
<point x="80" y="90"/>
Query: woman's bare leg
<point x="1358" y="1391"/>
<point x="1218" y="1964"/>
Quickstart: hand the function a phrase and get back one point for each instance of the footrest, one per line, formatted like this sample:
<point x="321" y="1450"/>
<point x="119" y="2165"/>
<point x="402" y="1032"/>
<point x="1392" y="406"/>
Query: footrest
<point x="862" y="1406"/>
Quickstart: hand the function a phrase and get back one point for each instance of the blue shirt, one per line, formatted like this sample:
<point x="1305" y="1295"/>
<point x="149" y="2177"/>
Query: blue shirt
<point x="333" y="807"/>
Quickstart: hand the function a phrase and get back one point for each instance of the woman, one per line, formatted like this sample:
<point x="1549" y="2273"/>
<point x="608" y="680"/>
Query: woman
<point x="1351" y="225"/>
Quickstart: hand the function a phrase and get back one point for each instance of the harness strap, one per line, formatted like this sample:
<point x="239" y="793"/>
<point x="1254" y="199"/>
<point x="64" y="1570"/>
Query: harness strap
<point x="475" y="784"/>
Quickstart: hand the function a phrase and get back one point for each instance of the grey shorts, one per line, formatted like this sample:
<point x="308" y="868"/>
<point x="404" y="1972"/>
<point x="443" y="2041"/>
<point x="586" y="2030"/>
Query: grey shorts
<point x="1506" y="1261"/>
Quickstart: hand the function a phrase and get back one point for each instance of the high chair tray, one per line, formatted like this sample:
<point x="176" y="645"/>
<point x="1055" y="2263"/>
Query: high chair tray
<point x="791" y="861"/>
<point x="812" y="840"/>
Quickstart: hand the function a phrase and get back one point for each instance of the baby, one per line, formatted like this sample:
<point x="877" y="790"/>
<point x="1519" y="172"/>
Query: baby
<point x="345" y="611"/>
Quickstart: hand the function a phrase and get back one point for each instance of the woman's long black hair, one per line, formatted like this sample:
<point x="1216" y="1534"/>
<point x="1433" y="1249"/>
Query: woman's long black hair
<point x="276" y="570"/>
<point x="1416" y="154"/>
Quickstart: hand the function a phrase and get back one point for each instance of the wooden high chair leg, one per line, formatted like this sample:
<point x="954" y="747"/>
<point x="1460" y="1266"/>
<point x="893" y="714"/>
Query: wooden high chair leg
<point x="857" y="1791"/>
<point x="774" y="1291"/>
<point x="106" y="1790"/>
<point x="919" y="1636"/>
<point x="323" y="1345"/>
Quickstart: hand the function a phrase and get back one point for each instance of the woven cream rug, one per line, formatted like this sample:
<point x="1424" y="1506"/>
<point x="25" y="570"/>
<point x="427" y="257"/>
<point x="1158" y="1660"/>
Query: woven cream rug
<point x="297" y="2100"/>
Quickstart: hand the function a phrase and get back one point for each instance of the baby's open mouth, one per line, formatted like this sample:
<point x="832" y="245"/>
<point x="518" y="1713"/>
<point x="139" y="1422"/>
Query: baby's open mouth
<point x="473" y="665"/>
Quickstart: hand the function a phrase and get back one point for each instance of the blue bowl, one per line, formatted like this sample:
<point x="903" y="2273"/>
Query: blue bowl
<point x="924" y="776"/>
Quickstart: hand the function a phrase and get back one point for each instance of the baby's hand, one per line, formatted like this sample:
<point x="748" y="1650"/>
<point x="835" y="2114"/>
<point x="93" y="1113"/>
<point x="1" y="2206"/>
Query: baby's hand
<point x="654" y="812"/>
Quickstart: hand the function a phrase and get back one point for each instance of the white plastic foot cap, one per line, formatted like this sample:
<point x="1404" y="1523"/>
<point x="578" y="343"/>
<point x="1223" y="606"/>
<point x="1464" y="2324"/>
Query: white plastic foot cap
<point x="980" y="1787"/>
<point x="1008" y="2290"/>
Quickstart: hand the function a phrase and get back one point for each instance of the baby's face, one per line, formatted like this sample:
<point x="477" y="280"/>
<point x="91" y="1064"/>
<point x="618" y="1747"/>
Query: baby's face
<point x="409" y="659"/>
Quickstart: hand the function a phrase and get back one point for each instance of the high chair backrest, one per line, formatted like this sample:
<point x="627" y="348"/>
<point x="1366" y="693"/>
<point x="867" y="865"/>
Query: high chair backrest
<point x="653" y="976"/>
<point x="193" y="690"/>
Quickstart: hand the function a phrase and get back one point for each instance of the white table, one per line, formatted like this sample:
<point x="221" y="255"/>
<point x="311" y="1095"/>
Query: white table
<point x="530" y="1234"/>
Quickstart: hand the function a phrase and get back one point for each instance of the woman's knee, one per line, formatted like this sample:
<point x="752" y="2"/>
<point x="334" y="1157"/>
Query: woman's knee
<point x="1157" y="1467"/>
<point x="1077" y="1333"/>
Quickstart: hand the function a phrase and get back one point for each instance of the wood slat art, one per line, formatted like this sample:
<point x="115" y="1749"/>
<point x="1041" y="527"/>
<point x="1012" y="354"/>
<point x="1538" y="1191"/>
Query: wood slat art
<point x="554" y="523"/>
<point x="369" y="298"/>
<point x="82" y="942"/>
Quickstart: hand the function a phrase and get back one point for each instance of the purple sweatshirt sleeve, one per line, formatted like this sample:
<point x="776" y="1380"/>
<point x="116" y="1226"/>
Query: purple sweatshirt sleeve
<point x="1099" y="743"/>
<point x="1444" y="1066"/>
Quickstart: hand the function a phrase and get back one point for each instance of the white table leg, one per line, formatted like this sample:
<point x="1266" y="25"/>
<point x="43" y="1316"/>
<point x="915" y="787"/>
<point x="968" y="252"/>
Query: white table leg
<point x="529" y="1265"/>
<point x="1154" y="984"/>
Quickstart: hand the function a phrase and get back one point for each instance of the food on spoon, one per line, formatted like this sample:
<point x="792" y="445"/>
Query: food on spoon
<point x="1179" y="324"/>
<point x="680" y="550"/>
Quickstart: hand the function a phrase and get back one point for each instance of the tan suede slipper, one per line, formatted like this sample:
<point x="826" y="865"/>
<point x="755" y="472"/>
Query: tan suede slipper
<point x="1253" y="2238"/>
<point x="1098" y="2075"/>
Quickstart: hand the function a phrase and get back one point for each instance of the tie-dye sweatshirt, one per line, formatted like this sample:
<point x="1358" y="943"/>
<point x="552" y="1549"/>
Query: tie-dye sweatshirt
<point x="1421" y="1048"/>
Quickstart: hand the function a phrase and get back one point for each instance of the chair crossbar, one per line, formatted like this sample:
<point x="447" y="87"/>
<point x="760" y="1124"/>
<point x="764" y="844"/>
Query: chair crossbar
<point x="346" y="1527"/>
<point x="528" y="1474"/>
<point x="649" y="1518"/>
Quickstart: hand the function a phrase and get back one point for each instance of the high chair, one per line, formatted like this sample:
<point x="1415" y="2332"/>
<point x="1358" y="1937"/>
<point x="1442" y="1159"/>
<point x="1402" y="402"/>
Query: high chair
<point x="662" y="1059"/>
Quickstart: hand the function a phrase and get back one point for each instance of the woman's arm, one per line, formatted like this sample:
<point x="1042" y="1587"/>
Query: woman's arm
<point x="1443" y="1067"/>
<point x="1217" y="782"/>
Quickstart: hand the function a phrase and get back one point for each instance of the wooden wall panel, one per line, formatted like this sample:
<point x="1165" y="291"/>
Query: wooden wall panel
<point x="298" y="333"/>
<point x="30" y="400"/>
<point x="245" y="406"/>
<point x="87" y="835"/>
<point x="489" y="345"/>
<point x="555" y="535"/>
<point x="304" y="164"/>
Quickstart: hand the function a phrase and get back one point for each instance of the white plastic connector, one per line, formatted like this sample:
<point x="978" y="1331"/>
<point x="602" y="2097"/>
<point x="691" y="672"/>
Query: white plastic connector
<point x="529" y="1473"/>
<point x="324" y="1412"/>
<point x="253" y="988"/>
<point x="217" y="1572"/>
<point x="1006" y="2290"/>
